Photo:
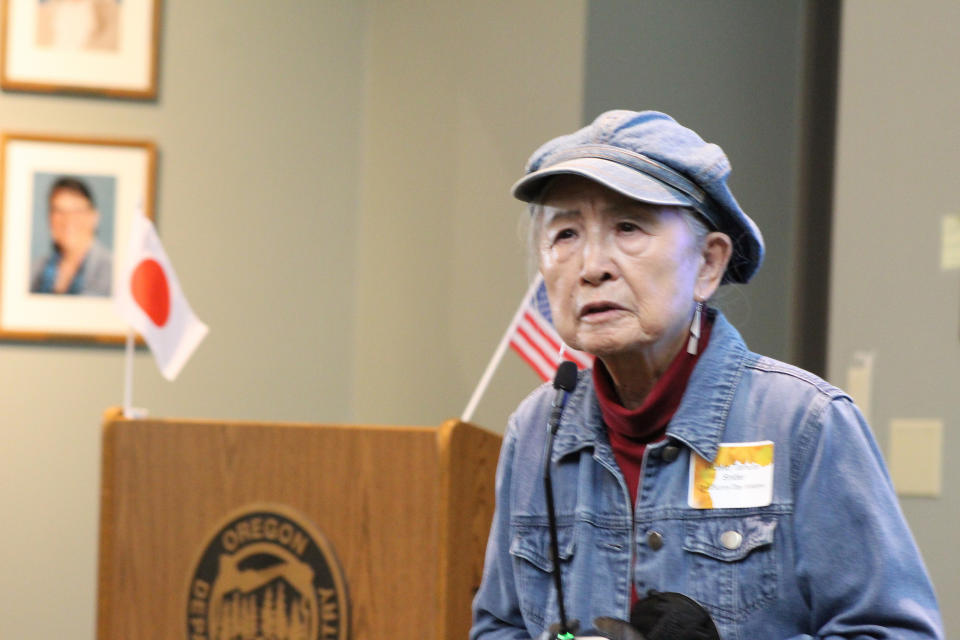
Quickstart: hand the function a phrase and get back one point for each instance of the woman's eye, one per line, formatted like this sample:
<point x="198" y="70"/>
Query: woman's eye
<point x="627" y="227"/>
<point x="564" y="234"/>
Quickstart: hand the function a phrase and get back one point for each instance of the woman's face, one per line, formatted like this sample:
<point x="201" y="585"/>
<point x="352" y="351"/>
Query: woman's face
<point x="620" y="274"/>
<point x="73" y="220"/>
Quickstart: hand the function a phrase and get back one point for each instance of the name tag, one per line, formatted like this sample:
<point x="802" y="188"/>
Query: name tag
<point x="740" y="477"/>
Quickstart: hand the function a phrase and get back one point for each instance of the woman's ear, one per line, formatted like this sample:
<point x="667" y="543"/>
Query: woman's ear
<point x="717" y="249"/>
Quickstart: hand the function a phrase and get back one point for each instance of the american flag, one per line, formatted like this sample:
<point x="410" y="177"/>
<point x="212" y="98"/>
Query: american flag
<point x="537" y="342"/>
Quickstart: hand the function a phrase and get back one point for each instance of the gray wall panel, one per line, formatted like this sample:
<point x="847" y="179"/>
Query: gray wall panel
<point x="732" y="71"/>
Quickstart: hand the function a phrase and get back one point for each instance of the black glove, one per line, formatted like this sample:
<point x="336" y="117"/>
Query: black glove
<point x="617" y="629"/>
<point x="662" y="616"/>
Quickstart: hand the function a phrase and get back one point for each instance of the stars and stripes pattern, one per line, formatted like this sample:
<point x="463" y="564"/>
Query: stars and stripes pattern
<point x="536" y="341"/>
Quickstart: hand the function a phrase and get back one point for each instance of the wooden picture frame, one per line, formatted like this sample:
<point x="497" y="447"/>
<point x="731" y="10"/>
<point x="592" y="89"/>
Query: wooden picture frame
<point x="67" y="208"/>
<point x="102" y="47"/>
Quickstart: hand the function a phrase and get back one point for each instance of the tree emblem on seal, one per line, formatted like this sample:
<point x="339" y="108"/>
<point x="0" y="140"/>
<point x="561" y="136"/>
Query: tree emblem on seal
<point x="267" y="574"/>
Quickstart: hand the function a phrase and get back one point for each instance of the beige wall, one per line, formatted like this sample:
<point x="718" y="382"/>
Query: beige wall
<point x="896" y="177"/>
<point x="457" y="96"/>
<point x="332" y="189"/>
<point x="257" y="125"/>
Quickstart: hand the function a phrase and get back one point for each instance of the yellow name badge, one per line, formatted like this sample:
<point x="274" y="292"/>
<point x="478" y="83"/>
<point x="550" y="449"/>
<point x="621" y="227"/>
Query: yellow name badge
<point x="740" y="477"/>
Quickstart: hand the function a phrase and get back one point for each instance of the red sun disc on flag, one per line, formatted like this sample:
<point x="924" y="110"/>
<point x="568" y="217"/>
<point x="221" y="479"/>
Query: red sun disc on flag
<point x="151" y="290"/>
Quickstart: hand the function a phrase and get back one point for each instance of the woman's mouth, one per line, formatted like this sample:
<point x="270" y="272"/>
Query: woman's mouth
<point x="599" y="311"/>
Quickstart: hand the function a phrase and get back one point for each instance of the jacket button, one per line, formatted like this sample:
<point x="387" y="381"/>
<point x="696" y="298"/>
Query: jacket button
<point x="655" y="540"/>
<point x="670" y="453"/>
<point x="731" y="540"/>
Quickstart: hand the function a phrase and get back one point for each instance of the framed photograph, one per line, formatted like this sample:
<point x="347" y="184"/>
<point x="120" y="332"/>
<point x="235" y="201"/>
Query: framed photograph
<point x="67" y="208"/>
<point x="106" y="47"/>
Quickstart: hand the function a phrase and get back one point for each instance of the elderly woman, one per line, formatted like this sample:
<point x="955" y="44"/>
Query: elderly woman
<point x="683" y="462"/>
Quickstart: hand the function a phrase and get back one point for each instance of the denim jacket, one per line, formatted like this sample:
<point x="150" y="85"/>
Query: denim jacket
<point x="830" y="557"/>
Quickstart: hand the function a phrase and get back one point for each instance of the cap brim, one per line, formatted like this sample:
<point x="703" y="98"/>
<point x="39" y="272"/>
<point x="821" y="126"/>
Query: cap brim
<point x="622" y="179"/>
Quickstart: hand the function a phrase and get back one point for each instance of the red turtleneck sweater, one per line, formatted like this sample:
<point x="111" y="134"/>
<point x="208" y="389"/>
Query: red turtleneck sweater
<point x="630" y="430"/>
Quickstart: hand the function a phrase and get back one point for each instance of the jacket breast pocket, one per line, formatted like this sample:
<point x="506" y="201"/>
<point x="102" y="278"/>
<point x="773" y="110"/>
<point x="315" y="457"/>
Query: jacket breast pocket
<point x="733" y="563"/>
<point x="533" y="566"/>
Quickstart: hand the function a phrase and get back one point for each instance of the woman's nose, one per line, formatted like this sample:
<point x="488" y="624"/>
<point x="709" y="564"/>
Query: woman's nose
<point x="597" y="264"/>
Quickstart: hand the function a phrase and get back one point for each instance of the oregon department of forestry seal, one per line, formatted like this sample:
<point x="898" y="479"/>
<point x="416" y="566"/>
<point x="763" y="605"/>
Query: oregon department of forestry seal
<point x="267" y="574"/>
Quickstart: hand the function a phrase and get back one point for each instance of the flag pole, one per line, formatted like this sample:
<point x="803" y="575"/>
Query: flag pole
<point x="498" y="354"/>
<point x="128" y="377"/>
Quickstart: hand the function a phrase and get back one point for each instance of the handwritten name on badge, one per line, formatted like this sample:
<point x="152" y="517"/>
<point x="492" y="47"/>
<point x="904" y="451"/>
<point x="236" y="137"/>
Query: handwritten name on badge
<point x="740" y="477"/>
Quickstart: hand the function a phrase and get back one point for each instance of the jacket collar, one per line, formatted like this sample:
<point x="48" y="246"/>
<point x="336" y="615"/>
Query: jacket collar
<point x="699" y="421"/>
<point x="702" y="416"/>
<point x="581" y="425"/>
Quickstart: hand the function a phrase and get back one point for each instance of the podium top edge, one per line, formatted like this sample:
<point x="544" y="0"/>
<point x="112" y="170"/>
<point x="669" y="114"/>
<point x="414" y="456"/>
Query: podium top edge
<point x="113" y="416"/>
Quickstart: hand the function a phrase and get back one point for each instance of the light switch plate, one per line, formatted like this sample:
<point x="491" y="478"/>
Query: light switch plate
<point x="859" y="381"/>
<point x="916" y="454"/>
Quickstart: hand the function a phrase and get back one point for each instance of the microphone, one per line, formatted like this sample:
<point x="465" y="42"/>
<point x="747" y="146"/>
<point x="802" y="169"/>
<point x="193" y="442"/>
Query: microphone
<point x="564" y="381"/>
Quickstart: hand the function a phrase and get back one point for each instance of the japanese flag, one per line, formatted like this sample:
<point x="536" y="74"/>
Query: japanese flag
<point x="151" y="301"/>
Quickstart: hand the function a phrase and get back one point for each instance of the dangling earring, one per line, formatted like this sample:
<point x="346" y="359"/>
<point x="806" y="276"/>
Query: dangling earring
<point x="695" y="330"/>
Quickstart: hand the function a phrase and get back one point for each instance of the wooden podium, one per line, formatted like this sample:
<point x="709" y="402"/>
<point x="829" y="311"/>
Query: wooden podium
<point x="402" y="511"/>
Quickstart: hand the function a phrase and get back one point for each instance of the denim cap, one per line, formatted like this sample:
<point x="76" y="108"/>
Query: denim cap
<point x="649" y="157"/>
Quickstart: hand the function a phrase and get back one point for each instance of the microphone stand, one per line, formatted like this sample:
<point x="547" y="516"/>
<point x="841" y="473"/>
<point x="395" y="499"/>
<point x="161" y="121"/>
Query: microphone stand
<point x="564" y="382"/>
